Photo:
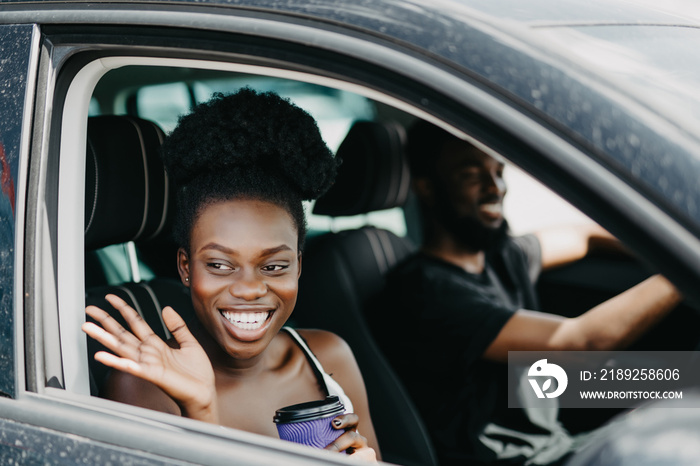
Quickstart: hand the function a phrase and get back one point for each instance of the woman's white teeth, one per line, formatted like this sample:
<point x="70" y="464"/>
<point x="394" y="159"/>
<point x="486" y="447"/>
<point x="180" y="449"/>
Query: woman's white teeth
<point x="246" y="320"/>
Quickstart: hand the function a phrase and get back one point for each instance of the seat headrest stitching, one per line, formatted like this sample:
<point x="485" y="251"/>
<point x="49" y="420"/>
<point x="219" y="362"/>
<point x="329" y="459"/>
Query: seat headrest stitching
<point x="370" y="233"/>
<point x="159" y="309"/>
<point x="405" y="174"/>
<point x="97" y="185"/>
<point x="387" y="247"/>
<point x="166" y="190"/>
<point x="133" y="300"/>
<point x="145" y="176"/>
<point x="405" y="186"/>
<point x="394" y="177"/>
<point x="364" y="201"/>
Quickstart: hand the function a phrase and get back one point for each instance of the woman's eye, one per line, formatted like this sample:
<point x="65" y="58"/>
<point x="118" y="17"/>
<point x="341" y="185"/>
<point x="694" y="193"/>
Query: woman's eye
<point x="274" y="268"/>
<point x="219" y="266"/>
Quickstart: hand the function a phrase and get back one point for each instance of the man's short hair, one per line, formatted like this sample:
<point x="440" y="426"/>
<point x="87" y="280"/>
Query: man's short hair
<point x="424" y="144"/>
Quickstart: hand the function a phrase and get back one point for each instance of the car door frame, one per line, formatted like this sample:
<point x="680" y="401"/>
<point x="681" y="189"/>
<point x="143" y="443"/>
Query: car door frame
<point x="411" y="79"/>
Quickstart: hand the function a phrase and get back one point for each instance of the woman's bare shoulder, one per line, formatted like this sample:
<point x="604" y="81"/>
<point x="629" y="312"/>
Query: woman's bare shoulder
<point x="329" y="348"/>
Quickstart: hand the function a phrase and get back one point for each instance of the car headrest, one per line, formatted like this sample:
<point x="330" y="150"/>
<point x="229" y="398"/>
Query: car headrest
<point x="374" y="174"/>
<point x="126" y="188"/>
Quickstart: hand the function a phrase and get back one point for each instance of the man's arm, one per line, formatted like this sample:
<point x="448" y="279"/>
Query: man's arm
<point x="614" y="324"/>
<point x="566" y="244"/>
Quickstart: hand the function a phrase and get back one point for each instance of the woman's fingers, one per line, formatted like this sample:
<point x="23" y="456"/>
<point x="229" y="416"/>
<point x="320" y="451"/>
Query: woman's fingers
<point x="348" y="421"/>
<point x="365" y="454"/>
<point x="122" y="364"/>
<point x="349" y="441"/>
<point x="98" y="333"/>
<point x="110" y="333"/>
<point x="177" y="327"/>
<point x="118" y="339"/>
<point x="138" y="326"/>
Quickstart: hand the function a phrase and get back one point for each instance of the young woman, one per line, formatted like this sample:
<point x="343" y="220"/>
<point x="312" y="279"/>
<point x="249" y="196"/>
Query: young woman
<point x="242" y="164"/>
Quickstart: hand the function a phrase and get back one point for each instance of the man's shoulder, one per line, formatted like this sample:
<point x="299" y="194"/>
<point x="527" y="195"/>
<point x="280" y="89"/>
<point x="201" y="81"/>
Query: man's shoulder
<point x="413" y="274"/>
<point x="420" y="264"/>
<point x="423" y="274"/>
<point x="518" y="247"/>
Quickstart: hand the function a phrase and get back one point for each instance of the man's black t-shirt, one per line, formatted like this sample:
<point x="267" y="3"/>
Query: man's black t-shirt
<point x="435" y="321"/>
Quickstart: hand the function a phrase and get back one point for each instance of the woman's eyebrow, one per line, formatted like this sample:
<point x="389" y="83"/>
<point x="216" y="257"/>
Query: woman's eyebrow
<point x="264" y="252"/>
<point x="275" y="250"/>
<point x="218" y="247"/>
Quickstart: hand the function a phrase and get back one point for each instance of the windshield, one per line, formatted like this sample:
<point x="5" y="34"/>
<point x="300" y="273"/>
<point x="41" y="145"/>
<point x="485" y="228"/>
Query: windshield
<point x="660" y="63"/>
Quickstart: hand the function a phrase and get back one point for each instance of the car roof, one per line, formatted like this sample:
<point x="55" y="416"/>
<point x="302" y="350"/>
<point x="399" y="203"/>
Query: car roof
<point x="530" y="11"/>
<point x="542" y="56"/>
<point x="549" y="58"/>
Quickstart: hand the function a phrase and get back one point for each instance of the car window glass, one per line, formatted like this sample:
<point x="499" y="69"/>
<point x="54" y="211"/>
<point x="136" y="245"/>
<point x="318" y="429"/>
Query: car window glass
<point x="94" y="108"/>
<point x="118" y="264"/>
<point x="163" y="103"/>
<point x="530" y="206"/>
<point x="658" y="62"/>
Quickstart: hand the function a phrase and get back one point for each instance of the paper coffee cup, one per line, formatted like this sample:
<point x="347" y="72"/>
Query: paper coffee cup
<point x="310" y="423"/>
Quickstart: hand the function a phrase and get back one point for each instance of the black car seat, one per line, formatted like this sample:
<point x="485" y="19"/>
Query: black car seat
<point x="127" y="198"/>
<point x="342" y="271"/>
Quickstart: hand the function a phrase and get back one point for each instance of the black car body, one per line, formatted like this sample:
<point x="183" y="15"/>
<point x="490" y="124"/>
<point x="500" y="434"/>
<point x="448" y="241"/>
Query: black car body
<point x="597" y="100"/>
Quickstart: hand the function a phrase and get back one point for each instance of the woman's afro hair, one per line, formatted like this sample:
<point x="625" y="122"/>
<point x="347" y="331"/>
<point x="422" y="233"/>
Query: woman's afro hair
<point x="246" y="145"/>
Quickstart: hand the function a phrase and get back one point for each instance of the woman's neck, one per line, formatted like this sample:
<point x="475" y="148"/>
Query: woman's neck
<point x="225" y="364"/>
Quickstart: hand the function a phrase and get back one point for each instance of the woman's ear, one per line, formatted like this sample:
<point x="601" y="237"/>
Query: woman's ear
<point x="183" y="266"/>
<point x="299" y="266"/>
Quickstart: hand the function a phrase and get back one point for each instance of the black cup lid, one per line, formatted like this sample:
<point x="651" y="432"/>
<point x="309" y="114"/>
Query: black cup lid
<point x="309" y="411"/>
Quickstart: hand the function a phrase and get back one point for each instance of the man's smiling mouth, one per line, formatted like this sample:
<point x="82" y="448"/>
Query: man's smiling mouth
<point x="494" y="208"/>
<point x="247" y="320"/>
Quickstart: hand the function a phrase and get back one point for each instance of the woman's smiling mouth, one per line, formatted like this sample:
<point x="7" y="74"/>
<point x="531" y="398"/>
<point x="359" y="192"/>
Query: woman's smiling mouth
<point x="246" y="320"/>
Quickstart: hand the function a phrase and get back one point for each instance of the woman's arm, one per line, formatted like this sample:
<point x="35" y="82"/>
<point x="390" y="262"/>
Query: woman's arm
<point x="337" y="360"/>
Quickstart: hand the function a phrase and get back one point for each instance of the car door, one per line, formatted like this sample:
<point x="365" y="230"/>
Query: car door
<point x="411" y="68"/>
<point x="50" y="414"/>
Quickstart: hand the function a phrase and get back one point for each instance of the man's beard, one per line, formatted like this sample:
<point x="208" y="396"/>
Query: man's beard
<point x="472" y="234"/>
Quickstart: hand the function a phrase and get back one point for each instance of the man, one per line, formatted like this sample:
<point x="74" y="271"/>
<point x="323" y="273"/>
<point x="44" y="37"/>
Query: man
<point x="467" y="297"/>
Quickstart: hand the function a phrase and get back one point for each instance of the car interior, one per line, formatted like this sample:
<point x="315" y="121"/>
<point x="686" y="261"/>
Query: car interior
<point x="358" y="231"/>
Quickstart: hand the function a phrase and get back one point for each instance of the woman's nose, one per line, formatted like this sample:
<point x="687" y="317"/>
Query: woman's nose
<point x="248" y="288"/>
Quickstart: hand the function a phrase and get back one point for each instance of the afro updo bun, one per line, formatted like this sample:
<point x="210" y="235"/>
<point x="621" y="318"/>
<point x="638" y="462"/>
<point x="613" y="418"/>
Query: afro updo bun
<point x="250" y="130"/>
<point x="246" y="145"/>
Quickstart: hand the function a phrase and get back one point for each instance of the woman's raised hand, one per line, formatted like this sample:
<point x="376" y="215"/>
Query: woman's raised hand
<point x="351" y="442"/>
<point x="184" y="373"/>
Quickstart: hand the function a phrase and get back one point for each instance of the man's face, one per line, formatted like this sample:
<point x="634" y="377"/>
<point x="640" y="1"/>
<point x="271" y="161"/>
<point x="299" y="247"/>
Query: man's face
<point x="469" y="190"/>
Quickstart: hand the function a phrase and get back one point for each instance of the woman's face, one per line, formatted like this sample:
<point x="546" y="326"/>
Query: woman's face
<point x="243" y="271"/>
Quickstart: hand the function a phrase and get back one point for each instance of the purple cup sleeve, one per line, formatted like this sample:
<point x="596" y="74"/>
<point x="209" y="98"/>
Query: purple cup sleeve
<point x="318" y="433"/>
